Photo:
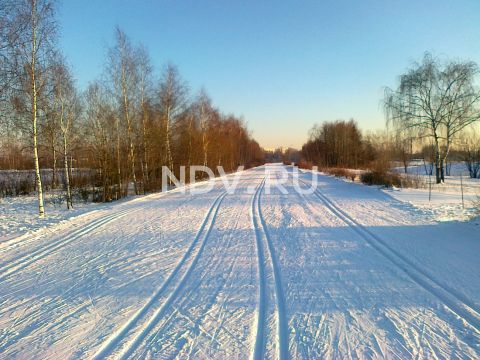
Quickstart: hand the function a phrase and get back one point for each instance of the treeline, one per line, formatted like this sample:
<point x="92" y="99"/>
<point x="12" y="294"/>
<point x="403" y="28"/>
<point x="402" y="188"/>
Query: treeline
<point x="120" y="131"/>
<point x="335" y="146"/>
<point x="431" y="115"/>
<point x="338" y="144"/>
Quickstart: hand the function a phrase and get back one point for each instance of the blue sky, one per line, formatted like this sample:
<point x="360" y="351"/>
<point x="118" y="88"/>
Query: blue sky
<point x="282" y="65"/>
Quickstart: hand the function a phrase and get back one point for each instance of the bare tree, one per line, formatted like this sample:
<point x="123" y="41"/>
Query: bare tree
<point x="144" y="83"/>
<point x="5" y="26"/>
<point x="49" y="131"/>
<point x="204" y="113"/>
<point x="124" y="72"/>
<point x="336" y="144"/>
<point x="66" y="108"/>
<point x="172" y="96"/>
<point x="125" y="125"/>
<point x="403" y="141"/>
<point x="471" y="152"/>
<point x="11" y="25"/>
<point x="435" y="101"/>
<point x="9" y="36"/>
<point x="100" y="135"/>
<point x="34" y="47"/>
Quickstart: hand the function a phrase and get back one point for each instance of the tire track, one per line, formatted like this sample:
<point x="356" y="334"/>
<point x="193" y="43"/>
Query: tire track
<point x="25" y="260"/>
<point x="112" y="343"/>
<point x="457" y="303"/>
<point x="260" y="228"/>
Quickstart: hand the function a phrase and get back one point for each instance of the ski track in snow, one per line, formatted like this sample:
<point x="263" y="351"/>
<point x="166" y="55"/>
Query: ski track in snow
<point x="23" y="261"/>
<point x="455" y="301"/>
<point x="258" y="349"/>
<point x="154" y="318"/>
<point x="246" y="275"/>
<point x="281" y="317"/>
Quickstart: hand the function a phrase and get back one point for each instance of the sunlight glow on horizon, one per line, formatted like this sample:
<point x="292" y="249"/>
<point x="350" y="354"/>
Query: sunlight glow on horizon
<point x="282" y="66"/>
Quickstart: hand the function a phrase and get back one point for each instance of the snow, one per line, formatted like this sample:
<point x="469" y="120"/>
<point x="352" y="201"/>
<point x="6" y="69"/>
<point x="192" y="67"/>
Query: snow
<point x="19" y="215"/>
<point x="444" y="201"/>
<point x="350" y="271"/>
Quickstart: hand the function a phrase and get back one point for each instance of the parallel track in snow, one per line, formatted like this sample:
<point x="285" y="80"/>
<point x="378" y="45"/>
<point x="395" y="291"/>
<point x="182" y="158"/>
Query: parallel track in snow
<point x="25" y="260"/>
<point x="142" y="323"/>
<point x="457" y="303"/>
<point x="261" y="233"/>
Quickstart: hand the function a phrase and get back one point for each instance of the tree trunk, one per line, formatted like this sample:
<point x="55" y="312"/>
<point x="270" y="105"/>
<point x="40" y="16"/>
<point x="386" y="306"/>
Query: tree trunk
<point x="167" y="133"/>
<point x="38" y="179"/>
<point x="104" y="176"/>
<point x="54" y="169"/>
<point x="131" y="153"/>
<point x="119" y="171"/>
<point x="145" y="168"/>
<point x="438" y="170"/>
<point x="68" y="194"/>
<point x="71" y="168"/>
<point x="145" y="150"/>
<point x="444" y="160"/>
<point x="167" y="145"/>
<point x="438" y="164"/>
<point x="442" y="171"/>
<point x="132" y="163"/>
<point x="205" y="147"/>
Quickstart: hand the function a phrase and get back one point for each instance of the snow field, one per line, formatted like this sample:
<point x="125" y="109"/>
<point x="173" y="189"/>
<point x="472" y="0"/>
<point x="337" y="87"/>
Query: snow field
<point x="345" y="272"/>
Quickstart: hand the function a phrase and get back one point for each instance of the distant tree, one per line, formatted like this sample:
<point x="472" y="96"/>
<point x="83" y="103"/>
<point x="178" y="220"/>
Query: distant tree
<point x="291" y="155"/>
<point x="205" y="111"/>
<point x="6" y="41"/>
<point x="101" y="138"/>
<point x="471" y="153"/>
<point x="122" y="120"/>
<point x="123" y="69"/>
<point x="335" y="144"/>
<point x="428" y="155"/>
<point x="188" y="149"/>
<point x="403" y="142"/>
<point x="50" y="130"/>
<point x="66" y="109"/>
<point x="436" y="101"/>
<point x="144" y="84"/>
<point x="172" y="101"/>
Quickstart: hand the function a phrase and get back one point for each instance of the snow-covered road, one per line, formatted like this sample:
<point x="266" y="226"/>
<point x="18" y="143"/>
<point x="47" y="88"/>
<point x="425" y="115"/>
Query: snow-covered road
<point x="344" y="272"/>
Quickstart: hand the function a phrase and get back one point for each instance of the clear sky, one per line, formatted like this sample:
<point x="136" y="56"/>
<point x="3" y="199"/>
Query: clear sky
<point x="282" y="65"/>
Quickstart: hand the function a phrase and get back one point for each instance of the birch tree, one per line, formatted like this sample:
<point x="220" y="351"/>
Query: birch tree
<point x="12" y="23"/>
<point x="34" y="47"/>
<point x="50" y="131"/>
<point x="471" y="154"/>
<point x="144" y="83"/>
<point x="172" y="101"/>
<point x="5" y="49"/>
<point x="100" y="135"/>
<point x="10" y="27"/>
<point x="124" y="73"/>
<point x="436" y="101"/>
<point x="66" y="109"/>
<point x="204" y="114"/>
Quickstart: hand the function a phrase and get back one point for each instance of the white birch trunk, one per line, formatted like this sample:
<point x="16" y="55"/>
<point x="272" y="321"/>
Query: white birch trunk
<point x="38" y="179"/>
<point x="67" y="176"/>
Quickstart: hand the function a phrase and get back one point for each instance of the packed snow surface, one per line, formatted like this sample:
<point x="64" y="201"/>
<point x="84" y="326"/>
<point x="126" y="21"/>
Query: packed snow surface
<point x="347" y="271"/>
